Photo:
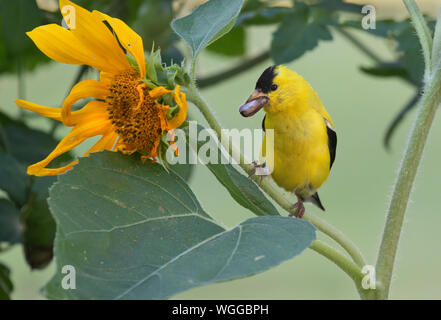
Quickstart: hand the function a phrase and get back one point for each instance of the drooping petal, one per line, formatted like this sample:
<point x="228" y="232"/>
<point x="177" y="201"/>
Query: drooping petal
<point x="106" y="78"/>
<point x="49" y="112"/>
<point x="92" y="111"/>
<point x="158" y="91"/>
<point x="128" y="38"/>
<point x="182" y="114"/>
<point x="106" y="142"/>
<point x="83" y="89"/>
<point x="76" y="136"/>
<point x="91" y="31"/>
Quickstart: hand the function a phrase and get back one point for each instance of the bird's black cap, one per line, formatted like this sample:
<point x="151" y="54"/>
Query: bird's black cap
<point x="266" y="80"/>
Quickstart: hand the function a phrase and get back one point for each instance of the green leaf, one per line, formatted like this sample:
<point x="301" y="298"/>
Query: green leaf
<point x="263" y="16"/>
<point x="28" y="145"/>
<point x="6" y="285"/>
<point x="339" y="5"/>
<point x="299" y="32"/>
<point x="241" y="188"/>
<point x="209" y="22"/>
<point x="39" y="226"/>
<point x="10" y="226"/>
<point x="16" y="18"/>
<point x="136" y="231"/>
<point x="185" y="171"/>
<point x="232" y="44"/>
<point x="386" y="70"/>
<point x="13" y="178"/>
<point x="152" y="21"/>
<point x="411" y="56"/>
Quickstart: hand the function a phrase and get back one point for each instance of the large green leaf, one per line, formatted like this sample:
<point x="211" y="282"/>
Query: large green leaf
<point x="299" y="32"/>
<point x="136" y="231"/>
<point x="10" y="226"/>
<point x="13" y="178"/>
<point x="207" y="23"/>
<point x="240" y="187"/>
<point x="6" y="286"/>
<point x="39" y="226"/>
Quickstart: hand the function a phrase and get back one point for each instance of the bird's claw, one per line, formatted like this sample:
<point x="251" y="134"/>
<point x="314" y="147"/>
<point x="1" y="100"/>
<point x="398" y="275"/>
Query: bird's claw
<point x="300" y="209"/>
<point x="262" y="173"/>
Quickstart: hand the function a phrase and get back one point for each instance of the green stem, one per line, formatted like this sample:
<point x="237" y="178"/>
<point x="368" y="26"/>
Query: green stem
<point x="436" y="48"/>
<point x="409" y="166"/>
<point x="424" y="34"/>
<point x="403" y="185"/>
<point x="233" y="71"/>
<point x="21" y="84"/>
<point x="265" y="184"/>
<point x="348" y="266"/>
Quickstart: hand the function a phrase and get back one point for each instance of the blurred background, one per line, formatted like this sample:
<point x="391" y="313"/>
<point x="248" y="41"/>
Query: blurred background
<point x="363" y="94"/>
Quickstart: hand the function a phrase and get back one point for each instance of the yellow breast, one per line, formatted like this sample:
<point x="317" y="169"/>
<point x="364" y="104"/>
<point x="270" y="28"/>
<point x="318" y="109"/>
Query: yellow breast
<point x="301" y="154"/>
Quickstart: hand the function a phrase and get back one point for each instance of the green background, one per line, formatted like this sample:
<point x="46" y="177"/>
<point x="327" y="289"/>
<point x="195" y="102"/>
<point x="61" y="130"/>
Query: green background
<point x="355" y="196"/>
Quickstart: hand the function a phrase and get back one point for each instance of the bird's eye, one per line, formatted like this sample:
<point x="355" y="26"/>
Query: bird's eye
<point x="274" y="87"/>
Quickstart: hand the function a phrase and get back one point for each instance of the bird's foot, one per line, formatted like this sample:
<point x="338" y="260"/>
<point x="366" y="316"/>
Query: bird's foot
<point x="300" y="209"/>
<point x="259" y="170"/>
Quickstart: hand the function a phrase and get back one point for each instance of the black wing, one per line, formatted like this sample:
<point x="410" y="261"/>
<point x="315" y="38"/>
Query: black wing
<point x="263" y="123"/>
<point x="332" y="142"/>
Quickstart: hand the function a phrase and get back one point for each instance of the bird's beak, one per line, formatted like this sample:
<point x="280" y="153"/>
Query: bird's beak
<point x="255" y="102"/>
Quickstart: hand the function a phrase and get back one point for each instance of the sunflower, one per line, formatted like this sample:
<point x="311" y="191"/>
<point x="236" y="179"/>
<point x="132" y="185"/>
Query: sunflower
<point x="126" y="111"/>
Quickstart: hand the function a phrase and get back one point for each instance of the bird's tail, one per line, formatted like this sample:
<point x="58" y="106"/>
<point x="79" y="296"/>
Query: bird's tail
<point x="314" y="199"/>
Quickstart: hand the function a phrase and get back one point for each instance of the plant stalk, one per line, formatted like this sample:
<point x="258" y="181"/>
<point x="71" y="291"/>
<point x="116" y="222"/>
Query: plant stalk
<point x="348" y="266"/>
<point x="411" y="159"/>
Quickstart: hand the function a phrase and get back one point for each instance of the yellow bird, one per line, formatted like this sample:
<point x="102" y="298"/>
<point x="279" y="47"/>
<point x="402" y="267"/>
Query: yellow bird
<point x="304" y="137"/>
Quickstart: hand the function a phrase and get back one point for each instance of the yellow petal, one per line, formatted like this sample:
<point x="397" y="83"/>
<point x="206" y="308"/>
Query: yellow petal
<point x="182" y="114"/>
<point x="92" y="111"/>
<point x="49" y="112"/>
<point x="76" y="136"/>
<point x="90" y="30"/>
<point x="106" y="142"/>
<point x="42" y="172"/>
<point x="158" y="91"/>
<point x="128" y="38"/>
<point x="106" y="78"/>
<point x="60" y="45"/>
<point x="83" y="89"/>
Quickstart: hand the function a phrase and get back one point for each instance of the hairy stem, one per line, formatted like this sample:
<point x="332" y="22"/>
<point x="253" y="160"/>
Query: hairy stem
<point x="409" y="166"/>
<point x="403" y="185"/>
<point x="348" y="266"/>
<point x="424" y="35"/>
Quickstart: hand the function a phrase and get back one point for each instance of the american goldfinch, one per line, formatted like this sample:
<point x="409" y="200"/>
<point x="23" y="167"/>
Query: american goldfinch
<point x="304" y="137"/>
